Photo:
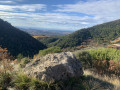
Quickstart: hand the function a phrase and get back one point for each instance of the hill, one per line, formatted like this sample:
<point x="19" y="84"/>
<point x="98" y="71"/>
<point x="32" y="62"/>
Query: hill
<point x="17" y="41"/>
<point x="102" y="33"/>
<point x="35" y="32"/>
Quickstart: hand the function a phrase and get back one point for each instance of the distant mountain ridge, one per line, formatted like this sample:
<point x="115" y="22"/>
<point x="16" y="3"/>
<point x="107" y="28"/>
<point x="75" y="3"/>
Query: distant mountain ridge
<point x="35" y="32"/>
<point x="102" y="33"/>
<point x="17" y="41"/>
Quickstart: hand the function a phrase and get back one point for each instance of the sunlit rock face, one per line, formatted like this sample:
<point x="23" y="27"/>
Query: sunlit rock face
<point x="54" y="67"/>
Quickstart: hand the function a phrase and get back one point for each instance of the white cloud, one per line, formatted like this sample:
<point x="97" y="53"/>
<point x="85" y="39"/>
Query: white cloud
<point x="7" y="2"/>
<point x="94" y="12"/>
<point x="46" y="20"/>
<point x="25" y="7"/>
<point x="102" y="10"/>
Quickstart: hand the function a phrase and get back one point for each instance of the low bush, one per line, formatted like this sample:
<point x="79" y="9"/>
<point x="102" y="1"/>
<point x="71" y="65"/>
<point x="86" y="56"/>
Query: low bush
<point x="5" y="80"/>
<point x="104" y="60"/>
<point x="4" y="54"/>
<point x="105" y="54"/>
<point x="85" y="59"/>
<point x="49" y="51"/>
<point x="22" y="82"/>
<point x="24" y="61"/>
<point x="19" y="57"/>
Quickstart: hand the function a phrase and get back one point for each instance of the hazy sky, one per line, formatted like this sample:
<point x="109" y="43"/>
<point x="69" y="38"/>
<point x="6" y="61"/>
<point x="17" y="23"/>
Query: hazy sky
<point x="59" y="14"/>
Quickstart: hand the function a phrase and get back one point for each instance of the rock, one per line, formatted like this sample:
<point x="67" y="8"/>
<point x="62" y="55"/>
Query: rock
<point x="54" y="67"/>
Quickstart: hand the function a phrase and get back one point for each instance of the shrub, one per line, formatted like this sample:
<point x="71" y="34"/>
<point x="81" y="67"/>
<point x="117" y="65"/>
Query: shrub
<point x="5" y="80"/>
<point x="5" y="69"/>
<point x="22" y="82"/>
<point x="24" y="61"/>
<point x="75" y="84"/>
<point x="5" y="66"/>
<point x="3" y="53"/>
<point x="49" y="51"/>
<point x="100" y="59"/>
<point x="105" y="54"/>
<point x="85" y="58"/>
<point x="38" y="85"/>
<point x="19" y="57"/>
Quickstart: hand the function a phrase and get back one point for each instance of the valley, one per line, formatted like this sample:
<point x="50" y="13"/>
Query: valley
<point x="37" y="32"/>
<point x="87" y="59"/>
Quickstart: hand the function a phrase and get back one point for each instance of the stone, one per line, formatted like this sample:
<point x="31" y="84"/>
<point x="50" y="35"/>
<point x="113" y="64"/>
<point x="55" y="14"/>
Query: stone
<point x="54" y="67"/>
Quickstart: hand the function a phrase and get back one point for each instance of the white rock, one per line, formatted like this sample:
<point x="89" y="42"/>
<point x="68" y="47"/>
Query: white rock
<point x="54" y="67"/>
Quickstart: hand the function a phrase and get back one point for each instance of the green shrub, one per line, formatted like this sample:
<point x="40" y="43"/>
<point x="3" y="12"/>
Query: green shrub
<point x="49" y="50"/>
<point x="24" y="61"/>
<point x="19" y="57"/>
<point x="105" y="54"/>
<point x="22" y="82"/>
<point x="85" y="59"/>
<point x="5" y="80"/>
<point x="38" y="85"/>
<point x="104" y="60"/>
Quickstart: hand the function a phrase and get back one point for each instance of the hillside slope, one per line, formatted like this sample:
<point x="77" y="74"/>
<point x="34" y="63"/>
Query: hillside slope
<point x="17" y="41"/>
<point x="102" y="33"/>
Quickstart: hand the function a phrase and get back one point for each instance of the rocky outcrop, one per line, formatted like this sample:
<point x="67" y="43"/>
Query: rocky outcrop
<point x="54" y="67"/>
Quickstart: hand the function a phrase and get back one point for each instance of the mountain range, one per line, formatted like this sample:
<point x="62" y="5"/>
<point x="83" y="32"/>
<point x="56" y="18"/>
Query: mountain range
<point x="45" y="32"/>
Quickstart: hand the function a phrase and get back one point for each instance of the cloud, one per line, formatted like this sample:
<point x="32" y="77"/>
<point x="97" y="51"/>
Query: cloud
<point x="46" y="20"/>
<point x="25" y="7"/>
<point x="66" y="17"/>
<point x="8" y="2"/>
<point x="102" y="10"/>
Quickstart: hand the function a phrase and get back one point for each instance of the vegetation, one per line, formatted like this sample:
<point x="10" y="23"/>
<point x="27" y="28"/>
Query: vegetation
<point x="24" y="61"/>
<point x="19" y="57"/>
<point x="5" y="80"/>
<point x="4" y="54"/>
<point x="104" y="60"/>
<point x="17" y="41"/>
<point x="23" y="82"/>
<point x="103" y="33"/>
<point x="48" y="40"/>
<point x="19" y="81"/>
<point x="105" y="54"/>
<point x="49" y="51"/>
<point x="111" y="83"/>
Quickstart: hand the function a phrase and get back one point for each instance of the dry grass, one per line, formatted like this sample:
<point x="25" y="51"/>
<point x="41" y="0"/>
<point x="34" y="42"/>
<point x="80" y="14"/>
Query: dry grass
<point x="112" y="80"/>
<point x="116" y="40"/>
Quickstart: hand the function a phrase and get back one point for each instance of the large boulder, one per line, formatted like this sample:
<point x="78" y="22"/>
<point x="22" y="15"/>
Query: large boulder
<point x="54" y="67"/>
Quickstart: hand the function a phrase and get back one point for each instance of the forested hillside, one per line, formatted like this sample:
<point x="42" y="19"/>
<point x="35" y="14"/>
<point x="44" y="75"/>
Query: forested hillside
<point x="17" y="41"/>
<point x="102" y="33"/>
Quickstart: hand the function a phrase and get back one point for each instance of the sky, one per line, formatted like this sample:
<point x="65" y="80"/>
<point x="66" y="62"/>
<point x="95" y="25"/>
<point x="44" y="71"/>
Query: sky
<point x="59" y="14"/>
